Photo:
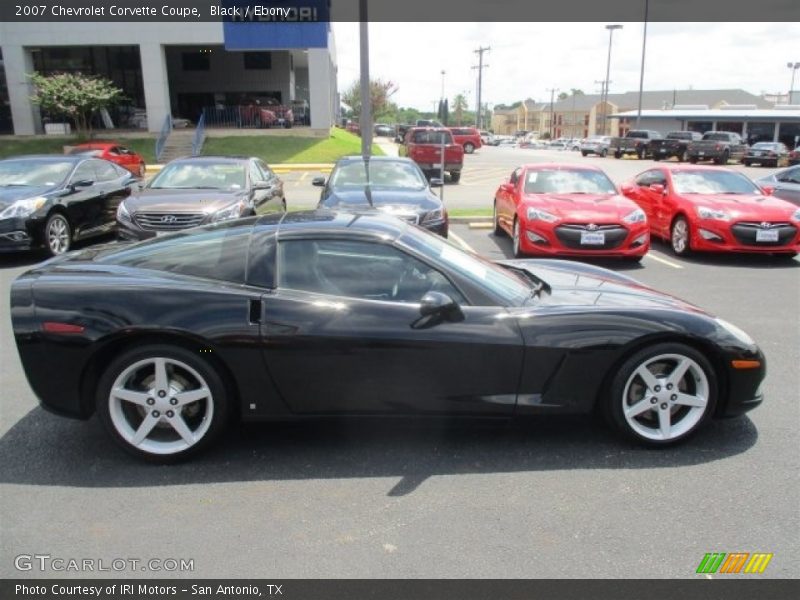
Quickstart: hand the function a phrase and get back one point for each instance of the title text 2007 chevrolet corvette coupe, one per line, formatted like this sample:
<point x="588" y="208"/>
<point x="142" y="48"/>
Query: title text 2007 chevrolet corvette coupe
<point x="327" y="313"/>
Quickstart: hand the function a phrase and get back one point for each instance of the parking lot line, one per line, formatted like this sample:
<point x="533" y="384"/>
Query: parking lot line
<point x="664" y="261"/>
<point x="461" y="242"/>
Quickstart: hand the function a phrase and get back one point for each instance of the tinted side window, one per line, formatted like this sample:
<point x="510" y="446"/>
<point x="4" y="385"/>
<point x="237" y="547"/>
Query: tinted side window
<point x="359" y="270"/>
<point x="218" y="252"/>
<point x="105" y="170"/>
<point x="84" y="172"/>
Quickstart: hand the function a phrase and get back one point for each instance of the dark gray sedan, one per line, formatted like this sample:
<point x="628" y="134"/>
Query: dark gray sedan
<point x="397" y="186"/>
<point x="784" y="183"/>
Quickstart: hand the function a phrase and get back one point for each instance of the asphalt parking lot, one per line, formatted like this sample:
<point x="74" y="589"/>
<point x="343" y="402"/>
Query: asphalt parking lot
<point x="546" y="498"/>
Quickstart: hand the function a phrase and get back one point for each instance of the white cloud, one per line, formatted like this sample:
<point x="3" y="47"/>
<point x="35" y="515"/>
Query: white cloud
<point x="528" y="58"/>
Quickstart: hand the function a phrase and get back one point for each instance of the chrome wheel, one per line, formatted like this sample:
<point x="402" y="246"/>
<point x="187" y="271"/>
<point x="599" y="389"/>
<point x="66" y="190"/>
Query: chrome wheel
<point x="679" y="237"/>
<point x="57" y="234"/>
<point x="160" y="406"/>
<point x="666" y="397"/>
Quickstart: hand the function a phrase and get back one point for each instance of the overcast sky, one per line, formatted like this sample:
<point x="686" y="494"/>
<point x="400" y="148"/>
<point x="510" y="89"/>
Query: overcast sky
<point x="526" y="59"/>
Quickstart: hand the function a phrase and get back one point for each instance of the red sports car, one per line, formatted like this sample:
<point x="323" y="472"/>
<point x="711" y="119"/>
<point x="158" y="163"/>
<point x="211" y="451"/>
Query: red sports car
<point x="568" y="210"/>
<point x="114" y="152"/>
<point x="713" y="209"/>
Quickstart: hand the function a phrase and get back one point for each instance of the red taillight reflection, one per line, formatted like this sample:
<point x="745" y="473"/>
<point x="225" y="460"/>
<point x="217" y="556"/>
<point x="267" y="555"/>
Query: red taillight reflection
<point x="64" y="328"/>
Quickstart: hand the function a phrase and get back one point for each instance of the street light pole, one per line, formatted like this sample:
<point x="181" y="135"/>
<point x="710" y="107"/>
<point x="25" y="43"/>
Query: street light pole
<point x="611" y="29"/>
<point x="641" y="73"/>
<point x="443" y="72"/>
<point x="793" y="67"/>
<point x="366" y="97"/>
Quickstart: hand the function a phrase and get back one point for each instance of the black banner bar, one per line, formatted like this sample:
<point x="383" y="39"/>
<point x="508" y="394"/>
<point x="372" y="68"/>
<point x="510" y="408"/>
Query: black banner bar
<point x="783" y="11"/>
<point x="733" y="588"/>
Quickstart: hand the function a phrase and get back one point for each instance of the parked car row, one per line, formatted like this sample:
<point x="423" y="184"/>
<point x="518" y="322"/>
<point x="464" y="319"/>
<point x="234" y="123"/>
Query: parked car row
<point x="572" y="210"/>
<point x="52" y="201"/>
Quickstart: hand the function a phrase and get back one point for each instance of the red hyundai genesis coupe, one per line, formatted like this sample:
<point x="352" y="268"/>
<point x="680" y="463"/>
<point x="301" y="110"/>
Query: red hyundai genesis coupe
<point x="568" y="210"/>
<point x="713" y="209"/>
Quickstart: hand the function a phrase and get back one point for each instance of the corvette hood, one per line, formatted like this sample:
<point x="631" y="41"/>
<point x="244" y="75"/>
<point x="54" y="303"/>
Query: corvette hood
<point x="746" y="206"/>
<point x="192" y="200"/>
<point x="579" y="284"/>
<point x="583" y="207"/>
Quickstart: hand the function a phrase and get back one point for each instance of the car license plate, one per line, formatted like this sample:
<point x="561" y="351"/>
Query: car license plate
<point x="663" y="150"/>
<point x="767" y="235"/>
<point x="701" y="153"/>
<point x="593" y="238"/>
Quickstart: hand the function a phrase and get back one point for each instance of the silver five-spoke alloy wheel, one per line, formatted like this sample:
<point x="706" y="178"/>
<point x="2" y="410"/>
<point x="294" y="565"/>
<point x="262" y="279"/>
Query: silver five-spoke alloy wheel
<point x="161" y="406"/>
<point x="680" y="236"/>
<point x="665" y="397"/>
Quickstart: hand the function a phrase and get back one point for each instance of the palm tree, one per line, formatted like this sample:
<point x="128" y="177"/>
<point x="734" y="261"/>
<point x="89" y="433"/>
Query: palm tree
<point x="459" y="106"/>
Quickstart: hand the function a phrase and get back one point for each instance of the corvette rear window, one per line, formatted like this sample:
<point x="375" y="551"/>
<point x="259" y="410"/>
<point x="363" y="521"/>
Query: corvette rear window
<point x="218" y="252"/>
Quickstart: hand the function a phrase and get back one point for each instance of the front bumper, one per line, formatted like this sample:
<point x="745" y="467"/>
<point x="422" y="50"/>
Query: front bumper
<point x="543" y="241"/>
<point x="717" y="236"/>
<point x="20" y="234"/>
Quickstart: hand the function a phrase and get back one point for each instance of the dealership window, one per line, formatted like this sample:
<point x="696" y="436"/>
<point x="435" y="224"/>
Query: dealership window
<point x="699" y="126"/>
<point x="196" y="61"/>
<point x="257" y="60"/>
<point x="760" y="132"/>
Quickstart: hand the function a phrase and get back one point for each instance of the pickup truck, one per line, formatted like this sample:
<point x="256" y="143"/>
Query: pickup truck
<point x="719" y="146"/>
<point x="676" y="143"/>
<point x="636" y="142"/>
<point x="423" y="145"/>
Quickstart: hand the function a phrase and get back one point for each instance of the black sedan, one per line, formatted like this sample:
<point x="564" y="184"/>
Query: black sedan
<point x="52" y="201"/>
<point x="396" y="186"/>
<point x="189" y="192"/>
<point x="767" y="154"/>
<point x="329" y="313"/>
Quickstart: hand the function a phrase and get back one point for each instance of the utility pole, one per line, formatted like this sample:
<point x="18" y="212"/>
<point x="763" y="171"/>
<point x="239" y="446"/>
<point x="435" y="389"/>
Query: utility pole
<point x="641" y="73"/>
<point x="552" y="116"/>
<point x="597" y="121"/>
<point x="480" y="67"/>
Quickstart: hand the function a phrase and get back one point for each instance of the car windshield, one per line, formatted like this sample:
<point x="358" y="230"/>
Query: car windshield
<point x="765" y="146"/>
<point x="85" y="151"/>
<point x="384" y="174"/>
<point x="511" y="289"/>
<point x="200" y="175"/>
<point x="712" y="182"/>
<point x="33" y="172"/>
<point x="561" y="181"/>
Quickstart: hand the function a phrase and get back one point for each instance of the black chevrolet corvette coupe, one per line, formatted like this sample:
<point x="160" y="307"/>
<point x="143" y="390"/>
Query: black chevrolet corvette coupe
<point x="331" y="313"/>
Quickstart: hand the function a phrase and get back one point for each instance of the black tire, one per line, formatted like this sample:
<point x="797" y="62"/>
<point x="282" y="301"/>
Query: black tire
<point x="641" y="153"/>
<point x="656" y="157"/>
<point x="283" y="204"/>
<point x="700" y="382"/>
<point x="469" y="148"/>
<point x="455" y="176"/>
<point x="634" y="259"/>
<point x="57" y="234"/>
<point x="496" y="229"/>
<point x="746" y="163"/>
<point x="617" y="154"/>
<point x="584" y="153"/>
<point x="219" y="406"/>
<point x="604" y="152"/>
<point x="675" y="235"/>
<point x="683" y="156"/>
<point x="693" y="160"/>
<point x="288" y="125"/>
<point x="723" y="160"/>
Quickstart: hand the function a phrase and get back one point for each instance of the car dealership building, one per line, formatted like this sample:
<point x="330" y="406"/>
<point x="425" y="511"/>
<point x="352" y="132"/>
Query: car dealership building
<point x="168" y="68"/>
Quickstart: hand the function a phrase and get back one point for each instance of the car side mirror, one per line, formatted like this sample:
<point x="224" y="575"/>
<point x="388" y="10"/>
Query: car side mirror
<point x="81" y="183"/>
<point x="318" y="182"/>
<point x="437" y="304"/>
<point x="657" y="188"/>
<point x="507" y="186"/>
<point x="262" y="185"/>
<point x="436" y="182"/>
<point x="767" y="189"/>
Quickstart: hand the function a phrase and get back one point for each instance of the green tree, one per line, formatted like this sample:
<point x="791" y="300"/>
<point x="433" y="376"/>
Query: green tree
<point x="380" y="93"/>
<point x="459" y="106"/>
<point x="74" y="96"/>
<point x="563" y="96"/>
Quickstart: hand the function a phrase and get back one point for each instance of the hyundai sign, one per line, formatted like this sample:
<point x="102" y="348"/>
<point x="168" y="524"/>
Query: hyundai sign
<point x="275" y="25"/>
